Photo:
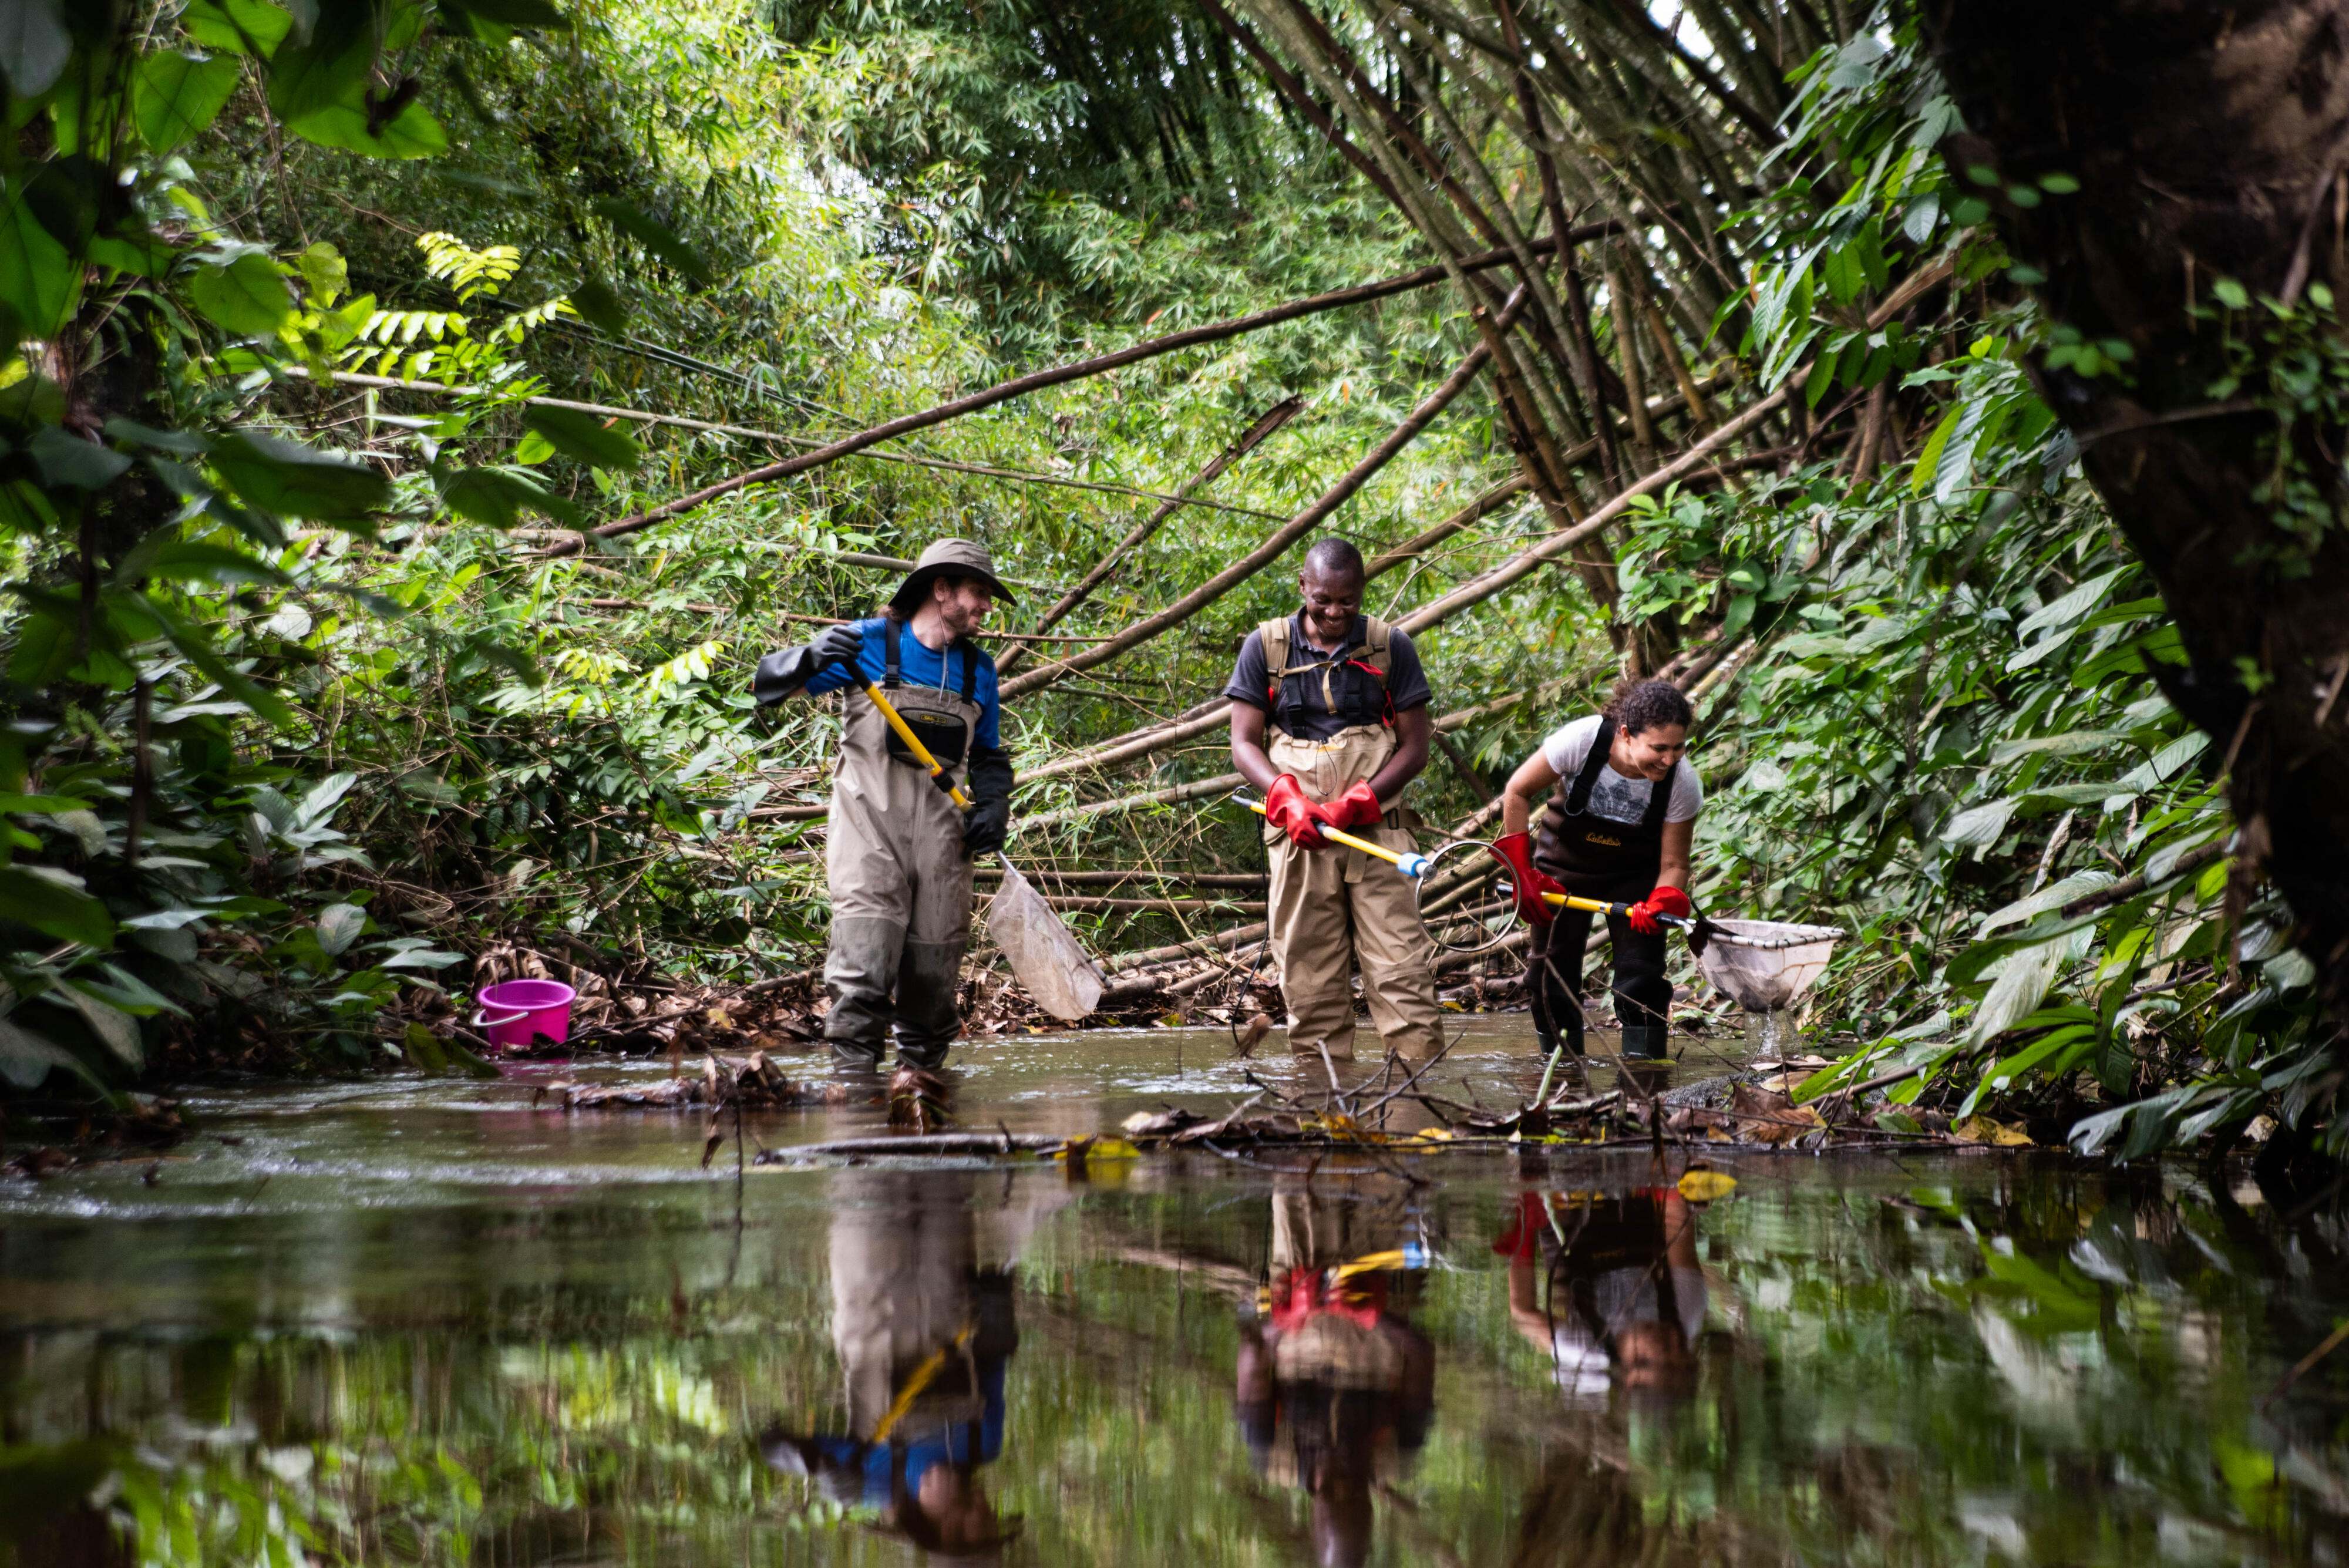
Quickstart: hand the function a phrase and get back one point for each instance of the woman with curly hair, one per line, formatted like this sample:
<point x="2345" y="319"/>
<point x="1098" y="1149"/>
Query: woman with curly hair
<point x="1622" y="809"/>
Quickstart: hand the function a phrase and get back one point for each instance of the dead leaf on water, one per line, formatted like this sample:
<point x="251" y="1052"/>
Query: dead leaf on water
<point x="1998" y="1135"/>
<point x="1705" y="1185"/>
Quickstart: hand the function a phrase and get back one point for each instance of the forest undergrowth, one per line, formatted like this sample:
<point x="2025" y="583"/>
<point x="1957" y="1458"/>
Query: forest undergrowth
<point x="350" y="344"/>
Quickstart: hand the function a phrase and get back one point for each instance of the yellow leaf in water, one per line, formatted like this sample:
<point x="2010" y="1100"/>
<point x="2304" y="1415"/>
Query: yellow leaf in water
<point x="1111" y="1149"/>
<point x="1704" y="1186"/>
<point x="1998" y="1135"/>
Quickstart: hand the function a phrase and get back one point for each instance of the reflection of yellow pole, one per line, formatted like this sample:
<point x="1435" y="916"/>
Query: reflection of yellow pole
<point x="913" y="744"/>
<point x="928" y="1372"/>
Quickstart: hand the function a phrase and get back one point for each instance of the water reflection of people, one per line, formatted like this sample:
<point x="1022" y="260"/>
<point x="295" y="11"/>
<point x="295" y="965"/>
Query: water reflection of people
<point x="1626" y="1297"/>
<point x="1335" y="1386"/>
<point x="922" y="1318"/>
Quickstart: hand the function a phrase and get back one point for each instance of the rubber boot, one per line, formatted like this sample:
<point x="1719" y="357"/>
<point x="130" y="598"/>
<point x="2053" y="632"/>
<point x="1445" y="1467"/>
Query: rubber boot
<point x="1644" y="1040"/>
<point x="860" y="974"/>
<point x="928" y="1020"/>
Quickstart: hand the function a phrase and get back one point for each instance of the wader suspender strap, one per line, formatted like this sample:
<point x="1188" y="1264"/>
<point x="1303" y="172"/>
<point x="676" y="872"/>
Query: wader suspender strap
<point x="893" y="665"/>
<point x="1376" y="658"/>
<point x="1602" y="744"/>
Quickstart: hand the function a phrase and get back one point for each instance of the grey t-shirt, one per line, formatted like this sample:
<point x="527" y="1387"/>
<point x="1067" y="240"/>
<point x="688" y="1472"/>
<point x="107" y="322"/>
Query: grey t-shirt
<point x="1613" y="797"/>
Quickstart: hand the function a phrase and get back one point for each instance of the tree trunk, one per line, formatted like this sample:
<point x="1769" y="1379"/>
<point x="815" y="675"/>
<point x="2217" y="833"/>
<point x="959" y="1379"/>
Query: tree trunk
<point x="2209" y="140"/>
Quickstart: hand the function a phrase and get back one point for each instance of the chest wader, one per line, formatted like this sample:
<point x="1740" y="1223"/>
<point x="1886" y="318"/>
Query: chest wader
<point x="901" y="886"/>
<point x="1332" y="908"/>
<point x="1598" y="858"/>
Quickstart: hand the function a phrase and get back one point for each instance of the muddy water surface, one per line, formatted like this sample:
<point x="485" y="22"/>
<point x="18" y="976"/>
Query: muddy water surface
<point x="421" y="1321"/>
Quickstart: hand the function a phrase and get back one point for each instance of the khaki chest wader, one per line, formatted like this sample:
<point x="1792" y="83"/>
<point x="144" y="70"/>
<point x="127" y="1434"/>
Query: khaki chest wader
<point x="1332" y="908"/>
<point x="1595" y="858"/>
<point x="900" y="883"/>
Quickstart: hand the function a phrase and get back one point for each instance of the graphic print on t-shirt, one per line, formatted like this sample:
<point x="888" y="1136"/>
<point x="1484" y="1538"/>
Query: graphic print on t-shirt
<point x="1613" y="797"/>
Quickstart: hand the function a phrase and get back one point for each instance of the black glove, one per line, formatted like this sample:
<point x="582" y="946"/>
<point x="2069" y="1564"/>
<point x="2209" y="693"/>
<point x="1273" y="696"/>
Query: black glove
<point x="839" y="645"/>
<point x="987" y="823"/>
<point x="782" y="675"/>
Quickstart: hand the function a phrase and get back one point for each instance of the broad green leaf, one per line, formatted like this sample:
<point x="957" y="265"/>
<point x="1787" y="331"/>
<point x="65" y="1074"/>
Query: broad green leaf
<point x="2071" y="743"/>
<point x="2023" y="981"/>
<point x="248" y="296"/>
<point x="297" y="480"/>
<point x="176" y="95"/>
<point x="35" y="897"/>
<point x="339" y="926"/>
<point x="238" y="27"/>
<point x="196" y="643"/>
<point x="68" y="461"/>
<point x="1928" y="461"/>
<point x="325" y="272"/>
<point x="2056" y="895"/>
<point x="38" y="281"/>
<point x="116" y="1029"/>
<point x="330" y="69"/>
<point x="600" y="306"/>
<point x="423" y="1049"/>
<point x="497" y="497"/>
<point x="2074" y="605"/>
<point x="194" y="561"/>
<point x="2001" y="1075"/>
<point x="27" y="1058"/>
<point x="585" y="437"/>
<point x="654" y="236"/>
<point x="410" y="133"/>
<point x="1985" y="824"/>
<point x="34" y="45"/>
<point x="319" y="803"/>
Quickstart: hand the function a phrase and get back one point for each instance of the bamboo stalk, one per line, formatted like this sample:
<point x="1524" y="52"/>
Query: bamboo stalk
<point x="1277" y="544"/>
<point x="1059" y="374"/>
<point x="752" y="432"/>
<point x="1478" y="589"/>
<point x="1271" y="420"/>
<point x="1476" y="512"/>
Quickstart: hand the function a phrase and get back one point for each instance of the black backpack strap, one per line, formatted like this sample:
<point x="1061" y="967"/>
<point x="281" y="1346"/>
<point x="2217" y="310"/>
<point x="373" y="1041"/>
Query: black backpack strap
<point x="1578" y="799"/>
<point x="969" y="669"/>
<point x="1659" y="800"/>
<point x="892" y="666"/>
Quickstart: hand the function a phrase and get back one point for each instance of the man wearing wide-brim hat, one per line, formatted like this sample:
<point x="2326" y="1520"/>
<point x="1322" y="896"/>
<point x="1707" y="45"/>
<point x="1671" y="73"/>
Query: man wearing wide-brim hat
<point x="899" y="853"/>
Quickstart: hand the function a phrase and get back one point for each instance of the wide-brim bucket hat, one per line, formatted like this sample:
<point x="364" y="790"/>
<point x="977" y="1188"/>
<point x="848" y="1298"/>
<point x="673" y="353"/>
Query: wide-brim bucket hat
<point x="947" y="559"/>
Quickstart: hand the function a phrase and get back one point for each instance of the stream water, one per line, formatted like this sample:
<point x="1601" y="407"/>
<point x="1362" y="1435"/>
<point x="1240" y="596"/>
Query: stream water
<point x="409" y="1320"/>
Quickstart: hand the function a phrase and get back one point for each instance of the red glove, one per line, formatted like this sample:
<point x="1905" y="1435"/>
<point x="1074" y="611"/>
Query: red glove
<point x="1662" y="901"/>
<point x="1516" y="852"/>
<point x="1527" y="1223"/>
<point x="1357" y="807"/>
<point x="1286" y="808"/>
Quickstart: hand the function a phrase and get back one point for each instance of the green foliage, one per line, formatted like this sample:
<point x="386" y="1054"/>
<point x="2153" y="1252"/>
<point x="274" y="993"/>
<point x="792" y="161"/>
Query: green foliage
<point x="161" y="873"/>
<point x="1949" y="743"/>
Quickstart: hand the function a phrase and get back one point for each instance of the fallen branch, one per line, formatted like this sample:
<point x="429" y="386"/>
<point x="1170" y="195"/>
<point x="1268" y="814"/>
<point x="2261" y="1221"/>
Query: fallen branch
<point x="1271" y="420"/>
<point x="1061" y="375"/>
<point x="1281" y="538"/>
<point x="750" y="432"/>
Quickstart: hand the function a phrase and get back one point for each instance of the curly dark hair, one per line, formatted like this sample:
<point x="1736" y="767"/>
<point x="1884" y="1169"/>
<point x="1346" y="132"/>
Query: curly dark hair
<point x="1638" y="705"/>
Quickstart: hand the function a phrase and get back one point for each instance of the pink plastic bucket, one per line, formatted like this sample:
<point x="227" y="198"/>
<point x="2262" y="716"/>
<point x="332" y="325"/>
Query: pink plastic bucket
<point x="513" y="1013"/>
